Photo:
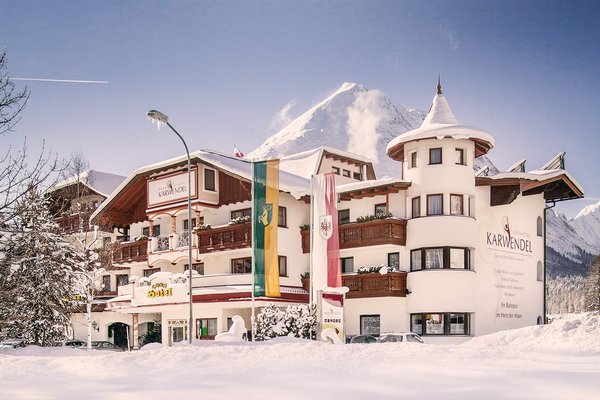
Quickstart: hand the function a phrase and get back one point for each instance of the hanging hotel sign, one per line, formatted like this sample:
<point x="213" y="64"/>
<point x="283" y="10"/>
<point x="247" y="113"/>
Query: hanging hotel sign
<point x="171" y="188"/>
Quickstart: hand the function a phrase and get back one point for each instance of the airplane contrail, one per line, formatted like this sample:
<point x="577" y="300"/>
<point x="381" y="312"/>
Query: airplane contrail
<point x="55" y="80"/>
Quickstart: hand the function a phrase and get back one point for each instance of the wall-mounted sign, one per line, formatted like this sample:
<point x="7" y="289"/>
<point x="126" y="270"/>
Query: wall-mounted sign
<point x="160" y="290"/>
<point x="171" y="188"/>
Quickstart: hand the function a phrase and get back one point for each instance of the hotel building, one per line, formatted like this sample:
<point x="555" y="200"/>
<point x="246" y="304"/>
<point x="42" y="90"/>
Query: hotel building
<point x="464" y="250"/>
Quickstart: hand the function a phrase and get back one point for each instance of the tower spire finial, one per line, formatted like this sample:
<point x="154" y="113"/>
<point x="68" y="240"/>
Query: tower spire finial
<point x="439" y="85"/>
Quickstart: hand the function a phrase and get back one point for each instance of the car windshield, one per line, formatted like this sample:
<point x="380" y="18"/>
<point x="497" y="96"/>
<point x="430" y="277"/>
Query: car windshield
<point x="414" y="338"/>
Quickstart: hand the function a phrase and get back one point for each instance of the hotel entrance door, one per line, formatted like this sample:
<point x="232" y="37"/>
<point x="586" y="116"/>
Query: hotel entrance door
<point x="177" y="330"/>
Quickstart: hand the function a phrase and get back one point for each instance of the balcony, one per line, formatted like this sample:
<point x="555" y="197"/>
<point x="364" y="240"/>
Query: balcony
<point x="230" y="237"/>
<point x="375" y="285"/>
<point x="372" y="233"/>
<point x="71" y="224"/>
<point x="127" y="252"/>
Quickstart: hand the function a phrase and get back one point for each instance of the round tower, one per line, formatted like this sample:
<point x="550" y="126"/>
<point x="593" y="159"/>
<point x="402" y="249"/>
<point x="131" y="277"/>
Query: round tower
<point x="437" y="158"/>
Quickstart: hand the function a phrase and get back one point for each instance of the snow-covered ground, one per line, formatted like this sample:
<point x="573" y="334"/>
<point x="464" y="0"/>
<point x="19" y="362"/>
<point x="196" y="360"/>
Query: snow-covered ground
<point x="558" y="361"/>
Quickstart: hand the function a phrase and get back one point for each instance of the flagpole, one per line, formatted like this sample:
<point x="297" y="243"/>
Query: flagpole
<point x="310" y="268"/>
<point x="252" y="222"/>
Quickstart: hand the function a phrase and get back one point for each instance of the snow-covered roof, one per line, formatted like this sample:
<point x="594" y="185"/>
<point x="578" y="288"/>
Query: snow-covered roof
<point x="439" y="124"/>
<point x="349" y="187"/>
<point x="102" y="183"/>
<point x="296" y="185"/>
<point x="538" y="175"/>
<point x="307" y="163"/>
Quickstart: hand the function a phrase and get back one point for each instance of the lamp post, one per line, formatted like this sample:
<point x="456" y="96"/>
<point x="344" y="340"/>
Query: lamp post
<point x="162" y="119"/>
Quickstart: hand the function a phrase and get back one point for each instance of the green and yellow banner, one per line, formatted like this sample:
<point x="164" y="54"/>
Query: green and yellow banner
<point x="265" y="222"/>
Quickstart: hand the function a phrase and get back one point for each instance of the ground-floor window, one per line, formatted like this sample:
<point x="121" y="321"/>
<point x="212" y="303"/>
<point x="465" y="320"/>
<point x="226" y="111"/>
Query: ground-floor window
<point x="206" y="328"/>
<point x="370" y="325"/>
<point x="440" y="323"/>
<point x="122" y="279"/>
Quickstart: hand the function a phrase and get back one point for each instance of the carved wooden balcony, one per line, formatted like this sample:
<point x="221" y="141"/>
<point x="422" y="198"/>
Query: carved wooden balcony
<point x="382" y="231"/>
<point x="375" y="285"/>
<point x="230" y="237"/>
<point x="130" y="252"/>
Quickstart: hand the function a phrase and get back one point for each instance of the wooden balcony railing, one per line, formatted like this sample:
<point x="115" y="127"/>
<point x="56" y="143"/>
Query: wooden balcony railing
<point x="230" y="237"/>
<point x="375" y="285"/>
<point x="71" y="224"/>
<point x="382" y="231"/>
<point x="130" y="251"/>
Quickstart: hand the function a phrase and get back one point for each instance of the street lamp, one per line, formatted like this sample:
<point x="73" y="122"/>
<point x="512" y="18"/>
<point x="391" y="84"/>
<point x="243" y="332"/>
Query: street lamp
<point x="161" y="119"/>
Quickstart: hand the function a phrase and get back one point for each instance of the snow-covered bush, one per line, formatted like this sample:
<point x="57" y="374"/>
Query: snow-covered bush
<point x="565" y="294"/>
<point x="298" y="320"/>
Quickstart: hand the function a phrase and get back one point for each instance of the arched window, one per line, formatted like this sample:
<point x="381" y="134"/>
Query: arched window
<point x="540" y="271"/>
<point x="540" y="320"/>
<point x="540" y="226"/>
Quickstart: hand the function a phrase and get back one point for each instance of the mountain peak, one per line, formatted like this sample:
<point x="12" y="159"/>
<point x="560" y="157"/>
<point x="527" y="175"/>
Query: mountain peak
<point x="589" y="209"/>
<point x="354" y="119"/>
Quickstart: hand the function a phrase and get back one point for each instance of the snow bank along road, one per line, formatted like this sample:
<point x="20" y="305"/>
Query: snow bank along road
<point x="558" y="361"/>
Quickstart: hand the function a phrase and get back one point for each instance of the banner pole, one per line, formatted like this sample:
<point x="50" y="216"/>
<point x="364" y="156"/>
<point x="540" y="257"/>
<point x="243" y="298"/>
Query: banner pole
<point x="252" y="222"/>
<point x="310" y="268"/>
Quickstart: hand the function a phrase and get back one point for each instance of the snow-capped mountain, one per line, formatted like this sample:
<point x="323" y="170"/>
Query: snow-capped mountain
<point x="354" y="119"/>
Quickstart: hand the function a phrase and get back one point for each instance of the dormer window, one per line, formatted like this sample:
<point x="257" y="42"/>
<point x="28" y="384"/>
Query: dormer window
<point x="435" y="156"/>
<point x="459" y="155"/>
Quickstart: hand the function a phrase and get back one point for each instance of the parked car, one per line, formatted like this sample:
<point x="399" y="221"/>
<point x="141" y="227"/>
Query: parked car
<point x="104" y="345"/>
<point x="399" y="337"/>
<point x="363" y="339"/>
<point x="69" y="343"/>
<point x="12" y="343"/>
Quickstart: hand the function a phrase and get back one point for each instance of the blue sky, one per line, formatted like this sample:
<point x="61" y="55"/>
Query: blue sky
<point x="525" y="71"/>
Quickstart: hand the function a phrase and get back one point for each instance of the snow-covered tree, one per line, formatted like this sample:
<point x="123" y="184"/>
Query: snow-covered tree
<point x="37" y="271"/>
<point x="565" y="294"/>
<point x="592" y="286"/>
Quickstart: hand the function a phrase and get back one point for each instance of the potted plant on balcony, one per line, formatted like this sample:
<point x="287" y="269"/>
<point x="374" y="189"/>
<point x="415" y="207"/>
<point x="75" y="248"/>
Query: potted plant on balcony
<point x="367" y="218"/>
<point x="305" y="278"/>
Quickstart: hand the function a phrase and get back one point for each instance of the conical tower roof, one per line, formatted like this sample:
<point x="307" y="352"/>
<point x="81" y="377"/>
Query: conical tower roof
<point x="440" y="123"/>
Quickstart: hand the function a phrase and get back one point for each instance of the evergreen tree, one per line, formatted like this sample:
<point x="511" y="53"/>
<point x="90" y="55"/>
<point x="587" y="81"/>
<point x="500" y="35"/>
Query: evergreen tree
<point x="592" y="286"/>
<point x="38" y="272"/>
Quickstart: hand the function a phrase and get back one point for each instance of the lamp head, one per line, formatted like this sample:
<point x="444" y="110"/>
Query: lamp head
<point x="157" y="116"/>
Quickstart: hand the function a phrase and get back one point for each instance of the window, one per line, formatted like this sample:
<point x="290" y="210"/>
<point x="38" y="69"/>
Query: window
<point x="416" y="260"/>
<point x="440" y="257"/>
<point x="185" y="224"/>
<point x="472" y="206"/>
<point x="434" y="258"/>
<point x="459" y="156"/>
<point x="122" y="279"/>
<point x="347" y="264"/>
<point x="155" y="231"/>
<point x="456" y="204"/>
<point x="416" y="207"/>
<point x="343" y="216"/>
<point x="241" y="265"/>
<point x="357" y="176"/>
<point x="282" y="265"/>
<point x="380" y="208"/>
<point x="95" y="204"/>
<point x="394" y="260"/>
<point x="335" y="170"/>
<point x="282" y="217"/>
<point x="540" y="272"/>
<point x="435" y="156"/>
<point x="150" y="271"/>
<point x="106" y="283"/>
<point x="245" y="212"/>
<point x="370" y="325"/>
<point x="435" y="204"/>
<point x="198" y="267"/>
<point x="206" y="328"/>
<point x="209" y="180"/>
<point x="106" y="241"/>
<point x="440" y="324"/>
<point x="413" y="160"/>
<point x="346" y="173"/>
<point x="540" y="226"/>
